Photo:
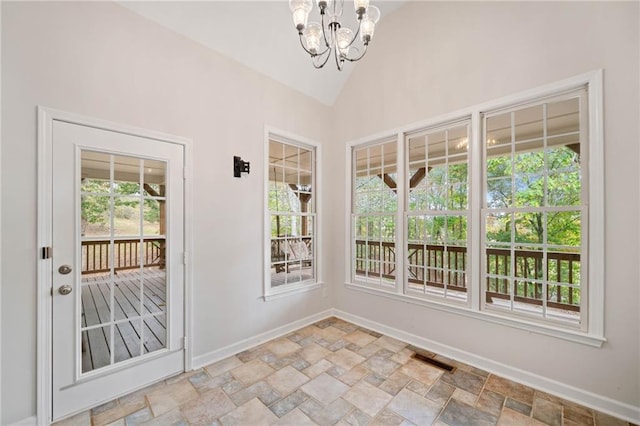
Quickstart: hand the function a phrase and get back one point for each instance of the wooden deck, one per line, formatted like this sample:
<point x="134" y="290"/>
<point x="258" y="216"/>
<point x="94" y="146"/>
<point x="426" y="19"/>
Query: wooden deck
<point x="293" y="276"/>
<point x="129" y="326"/>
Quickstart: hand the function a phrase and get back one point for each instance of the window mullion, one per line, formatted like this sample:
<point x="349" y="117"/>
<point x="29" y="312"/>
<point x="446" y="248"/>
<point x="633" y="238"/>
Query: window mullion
<point x="475" y="279"/>
<point x="401" y="223"/>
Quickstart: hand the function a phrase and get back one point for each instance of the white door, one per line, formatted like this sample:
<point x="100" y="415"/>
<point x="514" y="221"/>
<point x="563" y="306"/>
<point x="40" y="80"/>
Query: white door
<point x="118" y="271"/>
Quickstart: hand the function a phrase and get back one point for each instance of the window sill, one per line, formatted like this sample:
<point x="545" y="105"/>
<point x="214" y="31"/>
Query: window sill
<point x="547" y="330"/>
<point x="290" y="290"/>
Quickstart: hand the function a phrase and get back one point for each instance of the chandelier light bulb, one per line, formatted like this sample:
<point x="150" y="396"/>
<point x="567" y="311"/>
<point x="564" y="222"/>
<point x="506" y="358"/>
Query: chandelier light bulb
<point x="324" y="4"/>
<point x="360" y="6"/>
<point x="373" y="13"/>
<point x="300" y="17"/>
<point x="312" y="36"/>
<point x="368" y="24"/>
<point x="300" y="9"/>
<point x="367" y="27"/>
<point x="297" y="4"/>
<point x="344" y="37"/>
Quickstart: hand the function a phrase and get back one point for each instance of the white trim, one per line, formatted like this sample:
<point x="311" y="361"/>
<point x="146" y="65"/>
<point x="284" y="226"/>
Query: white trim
<point x="348" y="203"/>
<point x="596" y="213"/>
<point x="594" y="336"/>
<point x="188" y="248"/>
<point x="511" y="321"/>
<point x="0" y="220"/>
<point x="402" y="173"/>
<point x="248" y="343"/>
<point x="290" y="290"/>
<point x="44" y="285"/>
<point x="46" y="116"/>
<point x="475" y="226"/>
<point x="598" y="402"/>
<point x="270" y="293"/>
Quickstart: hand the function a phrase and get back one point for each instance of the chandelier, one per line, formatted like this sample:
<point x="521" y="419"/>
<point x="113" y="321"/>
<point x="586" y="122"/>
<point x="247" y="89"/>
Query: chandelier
<point x="329" y="38"/>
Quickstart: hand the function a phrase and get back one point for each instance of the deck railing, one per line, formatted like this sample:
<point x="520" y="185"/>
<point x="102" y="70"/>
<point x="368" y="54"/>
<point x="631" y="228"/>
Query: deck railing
<point x="426" y="265"/>
<point x="96" y="254"/>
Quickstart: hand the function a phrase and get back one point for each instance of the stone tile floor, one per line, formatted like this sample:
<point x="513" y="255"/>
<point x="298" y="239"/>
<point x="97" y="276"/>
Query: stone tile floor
<point x="334" y="372"/>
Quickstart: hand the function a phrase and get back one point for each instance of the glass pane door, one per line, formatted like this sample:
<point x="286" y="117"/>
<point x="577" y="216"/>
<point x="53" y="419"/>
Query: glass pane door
<point x="123" y="258"/>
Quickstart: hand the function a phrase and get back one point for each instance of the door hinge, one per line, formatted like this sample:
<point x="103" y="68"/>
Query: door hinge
<point x="184" y="258"/>
<point x="47" y="252"/>
<point x="184" y="342"/>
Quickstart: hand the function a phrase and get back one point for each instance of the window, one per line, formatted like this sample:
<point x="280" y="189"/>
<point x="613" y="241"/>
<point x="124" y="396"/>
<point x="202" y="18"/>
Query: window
<point x="374" y="209"/>
<point x="438" y="211"/>
<point x="291" y="215"/>
<point x="534" y="208"/>
<point x="497" y="203"/>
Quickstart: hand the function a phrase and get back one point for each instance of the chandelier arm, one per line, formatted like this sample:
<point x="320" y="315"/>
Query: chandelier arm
<point x="364" y="52"/>
<point x="339" y="59"/>
<point x="324" y="31"/>
<point x="326" y="59"/>
<point x="310" y="52"/>
<point x="355" y="36"/>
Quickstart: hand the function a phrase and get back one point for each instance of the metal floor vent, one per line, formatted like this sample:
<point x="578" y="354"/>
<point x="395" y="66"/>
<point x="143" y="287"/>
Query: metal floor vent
<point x="434" y="362"/>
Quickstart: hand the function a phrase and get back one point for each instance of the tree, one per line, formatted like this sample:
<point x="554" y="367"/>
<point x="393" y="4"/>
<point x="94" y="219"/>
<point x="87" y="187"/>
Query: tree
<point x="95" y="204"/>
<point x="526" y="174"/>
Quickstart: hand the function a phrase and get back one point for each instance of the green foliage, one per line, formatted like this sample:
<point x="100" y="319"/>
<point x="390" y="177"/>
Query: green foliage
<point x="522" y="184"/>
<point x="95" y="208"/>
<point x="282" y="199"/>
<point x="511" y="182"/>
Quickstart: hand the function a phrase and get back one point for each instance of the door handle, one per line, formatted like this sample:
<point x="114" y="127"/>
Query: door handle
<point x="64" y="269"/>
<point x="65" y="289"/>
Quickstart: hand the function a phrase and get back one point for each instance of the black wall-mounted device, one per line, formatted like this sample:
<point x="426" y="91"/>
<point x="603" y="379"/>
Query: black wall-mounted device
<point x="239" y="166"/>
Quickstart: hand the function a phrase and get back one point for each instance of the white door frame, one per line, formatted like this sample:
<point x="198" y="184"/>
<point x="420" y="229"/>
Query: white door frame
<point x="46" y="116"/>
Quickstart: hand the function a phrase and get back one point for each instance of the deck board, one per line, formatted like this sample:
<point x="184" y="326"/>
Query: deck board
<point x="96" y="309"/>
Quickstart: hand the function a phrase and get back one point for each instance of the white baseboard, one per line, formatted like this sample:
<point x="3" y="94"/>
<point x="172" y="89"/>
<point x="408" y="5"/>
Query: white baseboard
<point x="234" y="348"/>
<point x="598" y="402"/>
<point x="29" y="421"/>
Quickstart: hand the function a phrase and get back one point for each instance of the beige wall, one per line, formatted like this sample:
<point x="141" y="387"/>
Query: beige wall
<point x="433" y="58"/>
<point x="101" y="60"/>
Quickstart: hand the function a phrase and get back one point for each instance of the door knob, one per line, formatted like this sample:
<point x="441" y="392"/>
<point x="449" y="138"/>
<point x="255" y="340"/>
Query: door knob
<point x="64" y="269"/>
<point x="65" y="289"/>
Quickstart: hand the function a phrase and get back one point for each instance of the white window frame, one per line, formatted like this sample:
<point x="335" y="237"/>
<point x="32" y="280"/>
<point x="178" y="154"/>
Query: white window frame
<point x="269" y="292"/>
<point x="377" y="283"/>
<point x="582" y="207"/>
<point x="593" y="334"/>
<point x="442" y="127"/>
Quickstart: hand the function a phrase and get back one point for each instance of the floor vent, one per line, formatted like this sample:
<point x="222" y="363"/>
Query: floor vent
<point x="434" y="362"/>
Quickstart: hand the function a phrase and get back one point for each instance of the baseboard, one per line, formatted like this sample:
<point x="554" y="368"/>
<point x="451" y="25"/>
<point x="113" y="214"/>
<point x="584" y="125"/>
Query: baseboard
<point x="234" y="348"/>
<point x="598" y="402"/>
<point x="29" y="421"/>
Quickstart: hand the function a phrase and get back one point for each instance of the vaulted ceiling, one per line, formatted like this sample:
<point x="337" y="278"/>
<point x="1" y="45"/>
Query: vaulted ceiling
<point x="258" y="34"/>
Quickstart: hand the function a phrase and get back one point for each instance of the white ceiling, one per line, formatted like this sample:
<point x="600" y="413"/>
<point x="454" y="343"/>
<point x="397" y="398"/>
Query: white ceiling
<point x="258" y="34"/>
